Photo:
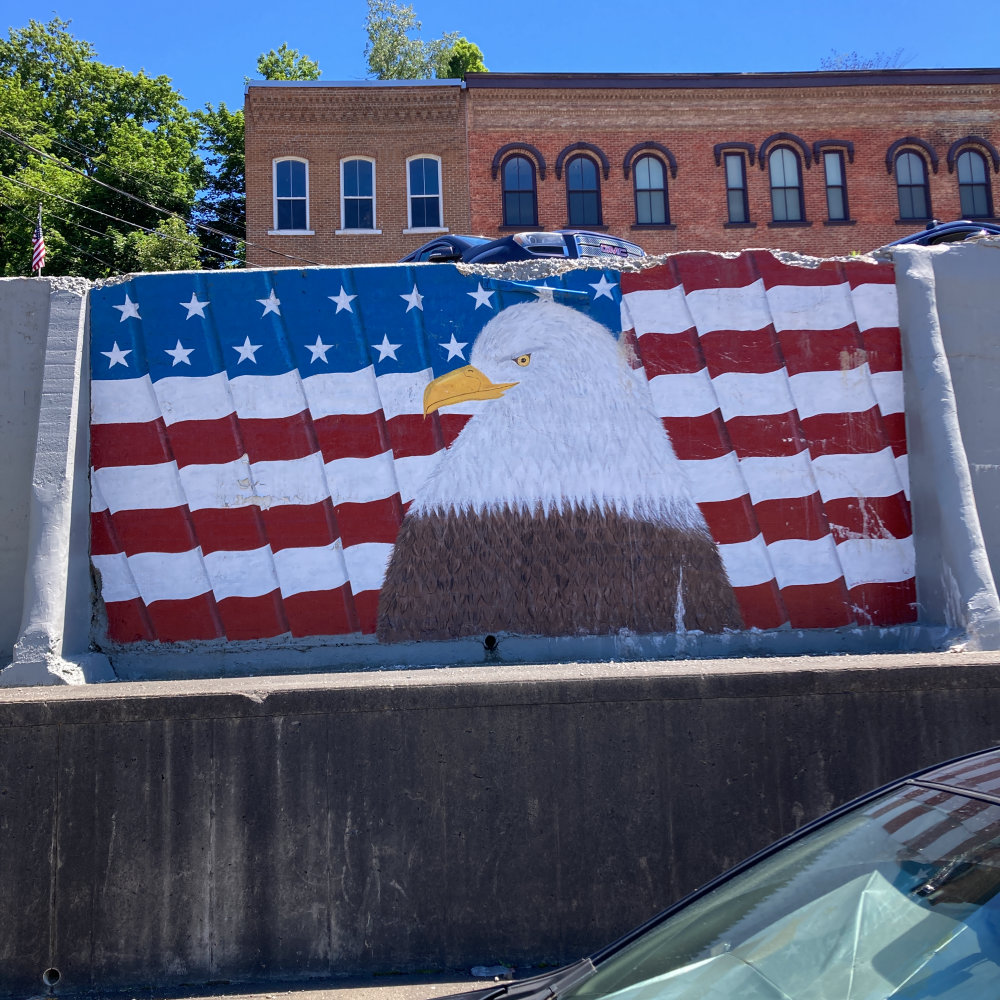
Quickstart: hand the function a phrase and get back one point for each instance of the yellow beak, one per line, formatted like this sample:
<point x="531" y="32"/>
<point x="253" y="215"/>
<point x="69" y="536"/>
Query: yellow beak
<point x="458" y="386"/>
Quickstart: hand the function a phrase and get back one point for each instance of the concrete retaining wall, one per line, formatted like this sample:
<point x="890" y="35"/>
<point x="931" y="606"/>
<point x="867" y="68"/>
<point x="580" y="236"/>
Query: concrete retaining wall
<point x="186" y="832"/>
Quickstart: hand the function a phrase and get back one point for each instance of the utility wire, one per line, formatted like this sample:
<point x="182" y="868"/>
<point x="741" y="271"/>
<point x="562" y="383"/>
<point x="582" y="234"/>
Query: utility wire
<point x="155" y="208"/>
<point x="72" y="246"/>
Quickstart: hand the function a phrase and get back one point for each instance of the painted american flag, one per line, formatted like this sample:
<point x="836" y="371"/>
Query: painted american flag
<point x="256" y="437"/>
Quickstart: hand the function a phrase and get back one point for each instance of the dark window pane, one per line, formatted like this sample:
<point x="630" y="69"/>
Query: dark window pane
<point x="424" y="177"/>
<point x="975" y="201"/>
<point x="351" y="179"/>
<point x="581" y="174"/>
<point x="426" y="213"/>
<point x="519" y="208"/>
<point x="833" y="167"/>
<point x="649" y="173"/>
<point x="366" y="214"/>
<point x="518" y="174"/>
<point x="282" y="179"/>
<point x="298" y="174"/>
<point x="650" y="208"/>
<point x="737" y="206"/>
<point x="835" y="203"/>
<point x="365" y="172"/>
<point x="291" y="213"/>
<point x="734" y="171"/>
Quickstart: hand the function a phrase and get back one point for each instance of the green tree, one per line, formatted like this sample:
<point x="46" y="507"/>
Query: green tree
<point x="393" y="53"/>
<point x="287" y="64"/>
<point x="86" y="122"/>
<point x="170" y="247"/>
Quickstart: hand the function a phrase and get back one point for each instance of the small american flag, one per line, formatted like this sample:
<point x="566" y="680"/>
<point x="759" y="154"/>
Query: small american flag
<point x="38" y="245"/>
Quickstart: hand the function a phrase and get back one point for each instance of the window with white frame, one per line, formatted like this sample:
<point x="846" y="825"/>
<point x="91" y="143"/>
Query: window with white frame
<point x="423" y="192"/>
<point x="291" y="195"/>
<point x="357" y="194"/>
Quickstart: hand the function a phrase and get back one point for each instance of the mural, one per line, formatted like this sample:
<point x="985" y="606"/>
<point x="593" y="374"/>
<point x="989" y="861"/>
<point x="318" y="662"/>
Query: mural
<point x="414" y="453"/>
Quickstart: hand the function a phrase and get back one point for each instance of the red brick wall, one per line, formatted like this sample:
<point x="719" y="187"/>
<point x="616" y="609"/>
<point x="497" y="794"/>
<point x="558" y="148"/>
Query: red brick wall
<point x="467" y="127"/>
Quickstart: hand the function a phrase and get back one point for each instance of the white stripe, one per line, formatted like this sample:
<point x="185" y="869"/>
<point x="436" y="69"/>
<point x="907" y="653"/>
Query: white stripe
<point x="116" y="577"/>
<point x="125" y="401"/>
<point x="140" y="487"/>
<point x="247" y="573"/>
<point x="747" y="563"/>
<point x="778" y="477"/>
<point x="685" y="394"/>
<point x="864" y="475"/>
<point x="169" y="576"/>
<point x="360" y="480"/>
<point x="844" y="391"/>
<point x="366" y="564"/>
<point x="660" y="310"/>
<point x="749" y="394"/>
<point x="811" y="307"/>
<point x="800" y="562"/>
<point x="876" y="305"/>
<point x="903" y="472"/>
<point x="289" y="483"/>
<point x="877" y="560"/>
<point x="342" y="392"/>
<point x="268" y="397"/>
<point x="97" y="501"/>
<point x="303" y="570"/>
<point x="888" y="389"/>
<point x="714" y="479"/>
<point x="403" y="392"/>
<point x="226" y="484"/>
<point x="730" y="308"/>
<point x="206" y="398"/>
<point x="413" y="471"/>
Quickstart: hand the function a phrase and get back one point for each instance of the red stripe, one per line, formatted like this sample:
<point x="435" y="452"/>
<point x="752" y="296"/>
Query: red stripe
<point x="822" y="350"/>
<point x="845" y="433"/>
<point x="102" y="534"/>
<point x="869" y="517"/>
<point x="761" y="606"/>
<point x="375" y="521"/>
<point x="366" y="606"/>
<point x="766" y="436"/>
<point x="228" y="529"/>
<point x="895" y="432"/>
<point x="129" y="444"/>
<point x="817" y="605"/>
<point x="298" y="526"/>
<point x="885" y="603"/>
<point x="279" y="439"/>
<point x="128" y="621"/>
<point x="205" y="442"/>
<point x="451" y="426"/>
<point x="703" y="270"/>
<point x="165" y="530"/>
<point x="650" y="279"/>
<point x="860" y="272"/>
<point x="352" y="435"/>
<point x="885" y="352"/>
<point x="670" y="353"/>
<point x="253" y="617"/>
<point x="697" y="438"/>
<point x="730" y="520"/>
<point x="413" y="434"/>
<point x="792" y="517"/>
<point x="194" y="618"/>
<point x="775" y="272"/>
<point x="741" y="351"/>
<point x="322" y="612"/>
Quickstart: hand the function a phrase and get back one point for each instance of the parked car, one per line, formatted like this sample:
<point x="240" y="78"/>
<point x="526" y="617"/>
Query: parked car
<point x="893" y="895"/>
<point x="566" y="243"/>
<point x="945" y="232"/>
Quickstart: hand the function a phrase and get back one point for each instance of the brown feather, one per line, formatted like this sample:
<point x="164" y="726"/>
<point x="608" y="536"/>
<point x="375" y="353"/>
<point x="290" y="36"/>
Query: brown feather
<point x="572" y="573"/>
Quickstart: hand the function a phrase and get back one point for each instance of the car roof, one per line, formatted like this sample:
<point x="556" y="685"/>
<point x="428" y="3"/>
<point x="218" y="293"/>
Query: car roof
<point x="976" y="774"/>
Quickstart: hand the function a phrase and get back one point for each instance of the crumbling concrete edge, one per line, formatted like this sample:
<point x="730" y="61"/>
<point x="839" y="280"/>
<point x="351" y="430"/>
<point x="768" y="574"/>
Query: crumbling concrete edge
<point x="954" y="581"/>
<point x="53" y="643"/>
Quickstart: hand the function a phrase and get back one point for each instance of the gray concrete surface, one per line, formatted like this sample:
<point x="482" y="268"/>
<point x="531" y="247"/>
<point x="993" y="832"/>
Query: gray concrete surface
<point x="305" y="827"/>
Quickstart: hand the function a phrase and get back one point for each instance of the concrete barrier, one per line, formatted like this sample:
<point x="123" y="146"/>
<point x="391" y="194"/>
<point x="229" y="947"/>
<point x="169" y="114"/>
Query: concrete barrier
<point x="185" y="832"/>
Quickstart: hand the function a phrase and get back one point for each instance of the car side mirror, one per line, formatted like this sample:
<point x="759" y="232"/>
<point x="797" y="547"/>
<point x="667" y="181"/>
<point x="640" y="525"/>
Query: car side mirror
<point x="444" y="256"/>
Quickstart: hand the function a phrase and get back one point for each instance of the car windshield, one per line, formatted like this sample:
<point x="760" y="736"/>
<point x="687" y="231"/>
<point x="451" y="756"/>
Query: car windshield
<point x="897" y="898"/>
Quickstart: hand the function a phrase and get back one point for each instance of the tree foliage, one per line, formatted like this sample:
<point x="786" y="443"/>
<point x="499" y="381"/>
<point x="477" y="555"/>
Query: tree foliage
<point x="393" y="53"/>
<point x="852" y="61"/>
<point x="170" y="247"/>
<point x="96" y="123"/>
<point x="287" y="64"/>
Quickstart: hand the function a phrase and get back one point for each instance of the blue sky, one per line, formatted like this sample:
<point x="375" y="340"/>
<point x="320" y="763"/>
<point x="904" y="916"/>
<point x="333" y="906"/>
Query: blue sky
<point x="207" y="48"/>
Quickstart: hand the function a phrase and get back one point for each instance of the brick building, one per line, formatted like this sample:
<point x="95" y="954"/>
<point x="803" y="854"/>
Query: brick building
<point x="825" y="163"/>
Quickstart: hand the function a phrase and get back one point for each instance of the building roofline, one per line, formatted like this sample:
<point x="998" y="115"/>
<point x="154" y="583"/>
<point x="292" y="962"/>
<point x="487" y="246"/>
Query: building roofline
<point x="351" y="83"/>
<point x="736" y="81"/>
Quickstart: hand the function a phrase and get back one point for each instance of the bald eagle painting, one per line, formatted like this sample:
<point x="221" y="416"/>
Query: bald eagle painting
<point x="560" y="509"/>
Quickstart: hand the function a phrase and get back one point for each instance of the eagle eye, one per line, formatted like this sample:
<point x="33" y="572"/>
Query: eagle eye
<point x="524" y="360"/>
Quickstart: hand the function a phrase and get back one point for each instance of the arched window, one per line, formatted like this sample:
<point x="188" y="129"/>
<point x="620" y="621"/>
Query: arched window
<point x="357" y="194"/>
<point x="291" y="195"/>
<point x="583" y="192"/>
<point x="423" y="192"/>
<point x="520" y="205"/>
<point x="911" y="186"/>
<point x="974" y="185"/>
<point x="651" y="205"/>
<point x="786" y="186"/>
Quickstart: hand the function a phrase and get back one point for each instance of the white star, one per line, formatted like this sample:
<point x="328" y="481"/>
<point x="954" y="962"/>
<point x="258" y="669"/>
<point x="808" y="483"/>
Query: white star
<point x="270" y="305"/>
<point x="318" y="349"/>
<point x="194" y="307"/>
<point x="247" y="350"/>
<point x="128" y="309"/>
<point x="415" y="299"/>
<point x="603" y="287"/>
<point x="116" y="355"/>
<point x="481" y="296"/>
<point x="545" y="293"/>
<point x="179" y="353"/>
<point x="453" y="347"/>
<point x="385" y="349"/>
<point x="343" y="300"/>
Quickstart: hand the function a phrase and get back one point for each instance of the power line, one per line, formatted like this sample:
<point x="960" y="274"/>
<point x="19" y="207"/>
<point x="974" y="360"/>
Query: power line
<point x="72" y="246"/>
<point x="155" y="208"/>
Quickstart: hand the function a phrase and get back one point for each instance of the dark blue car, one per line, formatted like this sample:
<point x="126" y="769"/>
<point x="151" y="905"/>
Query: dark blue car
<point x="945" y="232"/>
<point x="564" y="244"/>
